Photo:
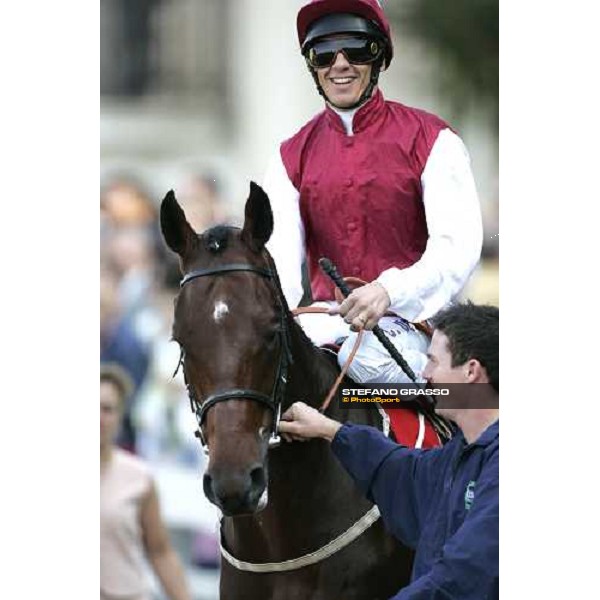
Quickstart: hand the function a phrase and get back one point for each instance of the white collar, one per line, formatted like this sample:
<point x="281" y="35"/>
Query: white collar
<point x="347" y="116"/>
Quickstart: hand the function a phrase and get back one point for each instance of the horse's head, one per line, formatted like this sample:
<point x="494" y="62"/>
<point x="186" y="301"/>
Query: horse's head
<point x="230" y="321"/>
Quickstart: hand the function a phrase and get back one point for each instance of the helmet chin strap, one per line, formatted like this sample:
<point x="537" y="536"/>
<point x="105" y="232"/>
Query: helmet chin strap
<point x="375" y="70"/>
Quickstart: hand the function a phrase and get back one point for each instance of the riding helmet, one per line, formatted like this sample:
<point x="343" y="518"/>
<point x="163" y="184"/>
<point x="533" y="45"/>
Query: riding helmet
<point x="320" y="18"/>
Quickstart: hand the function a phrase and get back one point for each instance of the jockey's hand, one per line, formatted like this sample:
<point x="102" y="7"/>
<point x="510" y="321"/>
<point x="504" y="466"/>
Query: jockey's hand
<point x="363" y="308"/>
<point x="302" y="422"/>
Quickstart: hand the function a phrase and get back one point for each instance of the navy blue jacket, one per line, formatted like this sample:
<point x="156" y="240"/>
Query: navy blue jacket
<point x="442" y="502"/>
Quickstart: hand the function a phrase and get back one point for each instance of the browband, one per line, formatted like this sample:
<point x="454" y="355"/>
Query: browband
<point x="225" y="269"/>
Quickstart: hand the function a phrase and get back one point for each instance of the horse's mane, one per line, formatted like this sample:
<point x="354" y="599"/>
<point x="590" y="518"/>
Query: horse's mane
<point x="306" y="345"/>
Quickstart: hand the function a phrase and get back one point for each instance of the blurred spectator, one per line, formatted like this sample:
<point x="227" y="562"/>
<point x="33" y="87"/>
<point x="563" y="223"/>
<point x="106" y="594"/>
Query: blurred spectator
<point x="124" y="201"/>
<point x="133" y="249"/>
<point x="120" y="344"/>
<point x="164" y="420"/>
<point x="130" y="253"/>
<point x="200" y="198"/>
<point x="131" y="526"/>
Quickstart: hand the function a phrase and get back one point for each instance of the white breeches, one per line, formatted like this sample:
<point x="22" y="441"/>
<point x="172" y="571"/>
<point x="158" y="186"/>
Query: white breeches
<point x="372" y="362"/>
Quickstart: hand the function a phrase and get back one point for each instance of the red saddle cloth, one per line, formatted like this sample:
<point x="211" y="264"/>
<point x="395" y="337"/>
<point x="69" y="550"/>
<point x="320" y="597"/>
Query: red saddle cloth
<point x="404" y="422"/>
<point x="405" y="425"/>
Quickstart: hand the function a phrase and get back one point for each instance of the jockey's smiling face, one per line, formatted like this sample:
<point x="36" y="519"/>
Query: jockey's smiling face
<point x="344" y="82"/>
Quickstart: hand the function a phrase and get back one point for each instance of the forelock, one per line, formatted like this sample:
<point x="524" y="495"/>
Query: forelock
<point x="217" y="238"/>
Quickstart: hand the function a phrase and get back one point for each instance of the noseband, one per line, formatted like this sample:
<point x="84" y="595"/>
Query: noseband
<point x="275" y="399"/>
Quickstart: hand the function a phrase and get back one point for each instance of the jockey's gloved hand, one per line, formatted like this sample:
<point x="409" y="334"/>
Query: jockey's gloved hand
<point x="363" y="308"/>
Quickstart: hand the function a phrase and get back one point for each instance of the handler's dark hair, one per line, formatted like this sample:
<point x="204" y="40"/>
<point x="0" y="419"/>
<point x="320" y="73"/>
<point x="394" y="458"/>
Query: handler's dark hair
<point x="472" y="332"/>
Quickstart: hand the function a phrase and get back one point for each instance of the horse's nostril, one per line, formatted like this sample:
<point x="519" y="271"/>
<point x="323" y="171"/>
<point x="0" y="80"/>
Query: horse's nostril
<point x="235" y="492"/>
<point x="258" y="479"/>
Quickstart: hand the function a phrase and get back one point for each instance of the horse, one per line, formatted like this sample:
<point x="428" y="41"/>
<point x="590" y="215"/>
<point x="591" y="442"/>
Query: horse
<point x="245" y="360"/>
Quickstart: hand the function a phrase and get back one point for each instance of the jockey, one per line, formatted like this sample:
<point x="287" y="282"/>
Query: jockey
<point x="383" y="190"/>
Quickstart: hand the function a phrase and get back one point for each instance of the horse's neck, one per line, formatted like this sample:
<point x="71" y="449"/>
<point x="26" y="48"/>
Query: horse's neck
<point x="312" y="376"/>
<point x="312" y="373"/>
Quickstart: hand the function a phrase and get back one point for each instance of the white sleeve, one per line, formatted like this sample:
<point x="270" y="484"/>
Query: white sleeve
<point x="455" y="235"/>
<point x="287" y="242"/>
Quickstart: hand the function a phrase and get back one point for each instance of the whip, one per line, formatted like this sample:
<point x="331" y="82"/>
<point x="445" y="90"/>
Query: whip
<point x="330" y="269"/>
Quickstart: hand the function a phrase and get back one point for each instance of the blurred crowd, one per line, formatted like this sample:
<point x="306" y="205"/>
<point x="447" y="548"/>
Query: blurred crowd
<point x="138" y="281"/>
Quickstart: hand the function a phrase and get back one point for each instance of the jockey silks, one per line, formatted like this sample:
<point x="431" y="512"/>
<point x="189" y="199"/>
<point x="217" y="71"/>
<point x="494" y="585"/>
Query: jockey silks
<point x="362" y="191"/>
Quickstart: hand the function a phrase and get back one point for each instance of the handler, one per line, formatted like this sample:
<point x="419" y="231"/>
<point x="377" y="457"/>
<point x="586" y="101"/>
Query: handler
<point x="443" y="502"/>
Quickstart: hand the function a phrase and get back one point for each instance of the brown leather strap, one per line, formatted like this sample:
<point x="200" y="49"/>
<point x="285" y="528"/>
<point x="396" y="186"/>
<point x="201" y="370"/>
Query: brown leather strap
<point x="336" y="384"/>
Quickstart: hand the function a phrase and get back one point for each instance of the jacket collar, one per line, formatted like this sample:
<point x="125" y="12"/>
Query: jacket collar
<point x="489" y="435"/>
<point x="487" y="438"/>
<point x="366" y="115"/>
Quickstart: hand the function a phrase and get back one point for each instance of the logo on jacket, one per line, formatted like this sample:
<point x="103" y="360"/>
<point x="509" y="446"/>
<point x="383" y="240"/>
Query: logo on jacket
<point x="470" y="495"/>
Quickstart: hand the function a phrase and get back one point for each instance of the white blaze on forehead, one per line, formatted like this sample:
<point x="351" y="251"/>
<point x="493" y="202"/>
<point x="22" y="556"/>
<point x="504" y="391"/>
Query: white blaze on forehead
<point x="221" y="309"/>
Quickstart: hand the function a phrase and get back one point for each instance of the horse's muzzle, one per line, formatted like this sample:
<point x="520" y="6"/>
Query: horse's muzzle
<point x="236" y="493"/>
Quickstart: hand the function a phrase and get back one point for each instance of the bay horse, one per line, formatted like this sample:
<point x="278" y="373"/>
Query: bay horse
<point x="245" y="361"/>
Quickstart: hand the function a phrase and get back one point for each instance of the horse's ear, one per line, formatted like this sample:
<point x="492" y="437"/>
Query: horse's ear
<point x="177" y="232"/>
<point x="258" y="218"/>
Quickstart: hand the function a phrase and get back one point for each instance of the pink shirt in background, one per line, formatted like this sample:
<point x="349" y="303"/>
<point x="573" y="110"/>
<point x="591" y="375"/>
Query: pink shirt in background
<point x="123" y="486"/>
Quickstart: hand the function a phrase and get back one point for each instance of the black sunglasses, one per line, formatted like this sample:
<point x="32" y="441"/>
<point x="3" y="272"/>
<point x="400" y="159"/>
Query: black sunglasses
<point x="358" y="51"/>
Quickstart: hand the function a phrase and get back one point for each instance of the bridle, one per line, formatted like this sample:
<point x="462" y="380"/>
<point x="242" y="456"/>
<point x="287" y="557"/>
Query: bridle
<point x="275" y="399"/>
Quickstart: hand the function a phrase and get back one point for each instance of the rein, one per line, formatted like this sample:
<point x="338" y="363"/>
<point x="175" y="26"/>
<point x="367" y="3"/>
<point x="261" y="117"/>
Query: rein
<point x="336" y="384"/>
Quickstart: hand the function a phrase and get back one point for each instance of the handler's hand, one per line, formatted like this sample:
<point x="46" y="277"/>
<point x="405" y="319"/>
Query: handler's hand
<point x="363" y="308"/>
<point x="301" y="422"/>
